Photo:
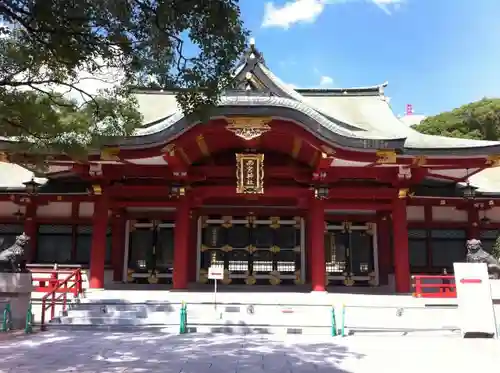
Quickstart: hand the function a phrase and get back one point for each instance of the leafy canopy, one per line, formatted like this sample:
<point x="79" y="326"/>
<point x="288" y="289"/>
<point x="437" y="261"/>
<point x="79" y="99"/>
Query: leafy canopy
<point x="478" y="120"/>
<point x="54" y="54"/>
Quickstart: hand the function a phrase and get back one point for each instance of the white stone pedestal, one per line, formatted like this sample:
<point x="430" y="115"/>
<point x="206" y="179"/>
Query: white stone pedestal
<point x="15" y="288"/>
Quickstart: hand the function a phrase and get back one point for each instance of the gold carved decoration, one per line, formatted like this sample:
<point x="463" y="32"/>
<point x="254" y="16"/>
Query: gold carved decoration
<point x="493" y="161"/>
<point x="370" y="229"/>
<point x="386" y="156"/>
<point x="250" y="280"/>
<point x="372" y="279"/>
<point x="153" y="277"/>
<point x="203" y="276"/>
<point x="227" y="248"/>
<point x="405" y="192"/>
<point x="130" y="275"/>
<point x="275" y="222"/>
<point x="250" y="221"/>
<point x="348" y="281"/>
<point x="96" y="190"/>
<point x="251" y="249"/>
<point x="110" y="154"/>
<point x="248" y="128"/>
<point x="419" y="161"/>
<point x="202" y="145"/>
<point x="274" y="278"/>
<point x="298" y="279"/>
<point x="204" y="223"/>
<point x="227" y="222"/>
<point x="274" y="249"/>
<point x="227" y="280"/>
<point x="250" y="173"/>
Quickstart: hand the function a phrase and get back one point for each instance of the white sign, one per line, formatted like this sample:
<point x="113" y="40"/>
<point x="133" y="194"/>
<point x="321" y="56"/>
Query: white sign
<point x="475" y="305"/>
<point x="216" y="273"/>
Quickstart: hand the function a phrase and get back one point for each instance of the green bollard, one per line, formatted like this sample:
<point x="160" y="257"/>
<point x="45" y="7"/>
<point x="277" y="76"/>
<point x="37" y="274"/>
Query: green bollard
<point x="342" y="326"/>
<point x="28" y="328"/>
<point x="182" y="328"/>
<point x="334" y="323"/>
<point x="7" y="318"/>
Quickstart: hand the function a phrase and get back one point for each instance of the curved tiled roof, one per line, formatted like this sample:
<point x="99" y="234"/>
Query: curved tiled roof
<point x="357" y="117"/>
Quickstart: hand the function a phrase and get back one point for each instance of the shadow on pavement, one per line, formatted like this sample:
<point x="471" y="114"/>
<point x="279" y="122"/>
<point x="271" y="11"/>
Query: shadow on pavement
<point x="91" y="351"/>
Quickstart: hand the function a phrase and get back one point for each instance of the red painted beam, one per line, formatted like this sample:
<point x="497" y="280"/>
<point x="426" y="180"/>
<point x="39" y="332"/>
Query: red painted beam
<point x="357" y="205"/>
<point x="297" y="192"/>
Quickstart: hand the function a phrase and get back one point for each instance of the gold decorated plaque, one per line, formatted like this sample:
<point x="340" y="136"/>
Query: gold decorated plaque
<point x="250" y="173"/>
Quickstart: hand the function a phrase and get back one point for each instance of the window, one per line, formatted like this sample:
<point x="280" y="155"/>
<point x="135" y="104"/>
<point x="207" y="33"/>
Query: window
<point x="447" y="247"/>
<point x="488" y="239"/>
<point x="84" y="245"/>
<point x="417" y="247"/>
<point x="55" y="244"/>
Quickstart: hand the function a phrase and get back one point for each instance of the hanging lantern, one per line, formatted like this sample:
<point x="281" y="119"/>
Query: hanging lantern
<point x="469" y="192"/>
<point x="18" y="214"/>
<point x="31" y="187"/>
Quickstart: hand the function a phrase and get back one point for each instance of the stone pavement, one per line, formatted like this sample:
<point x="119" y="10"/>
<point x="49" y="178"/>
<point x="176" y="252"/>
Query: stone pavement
<point x="106" y="352"/>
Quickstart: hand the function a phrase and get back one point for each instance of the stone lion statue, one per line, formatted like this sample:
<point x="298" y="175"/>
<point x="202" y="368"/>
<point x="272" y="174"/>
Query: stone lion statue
<point x="476" y="254"/>
<point x="12" y="258"/>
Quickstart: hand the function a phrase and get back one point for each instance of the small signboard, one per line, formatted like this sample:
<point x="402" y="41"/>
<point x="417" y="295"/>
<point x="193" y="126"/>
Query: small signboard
<point x="216" y="273"/>
<point x="475" y="304"/>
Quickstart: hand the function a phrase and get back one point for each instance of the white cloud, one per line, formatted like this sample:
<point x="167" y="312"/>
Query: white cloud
<point x="307" y="11"/>
<point x="325" y="81"/>
<point x="388" y="6"/>
<point x="295" y="11"/>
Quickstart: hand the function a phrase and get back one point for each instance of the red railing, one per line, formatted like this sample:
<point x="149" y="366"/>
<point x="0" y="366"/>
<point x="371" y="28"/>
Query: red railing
<point x="56" y="289"/>
<point x="428" y="286"/>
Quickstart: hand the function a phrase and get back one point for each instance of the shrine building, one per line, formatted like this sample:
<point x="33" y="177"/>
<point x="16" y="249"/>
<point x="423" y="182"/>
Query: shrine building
<point x="281" y="186"/>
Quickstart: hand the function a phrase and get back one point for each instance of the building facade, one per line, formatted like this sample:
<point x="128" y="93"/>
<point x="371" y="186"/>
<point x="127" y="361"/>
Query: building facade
<point x="280" y="186"/>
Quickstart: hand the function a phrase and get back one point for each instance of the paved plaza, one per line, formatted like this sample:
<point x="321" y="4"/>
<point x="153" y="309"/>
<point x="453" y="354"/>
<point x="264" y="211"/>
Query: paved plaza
<point x="106" y="352"/>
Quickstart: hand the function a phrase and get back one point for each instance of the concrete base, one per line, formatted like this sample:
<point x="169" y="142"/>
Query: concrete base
<point x="16" y="288"/>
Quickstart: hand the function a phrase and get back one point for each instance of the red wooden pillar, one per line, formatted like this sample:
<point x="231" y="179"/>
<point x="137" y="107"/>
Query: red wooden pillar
<point x="384" y="248"/>
<point x="98" y="249"/>
<point x="316" y="231"/>
<point x="181" y="245"/>
<point x="401" y="255"/>
<point x="193" y="246"/>
<point x="31" y="230"/>
<point x="118" y="245"/>
<point x="473" y="223"/>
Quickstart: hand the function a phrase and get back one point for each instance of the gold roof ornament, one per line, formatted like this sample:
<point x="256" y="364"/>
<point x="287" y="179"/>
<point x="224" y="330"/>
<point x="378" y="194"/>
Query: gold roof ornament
<point x="248" y="128"/>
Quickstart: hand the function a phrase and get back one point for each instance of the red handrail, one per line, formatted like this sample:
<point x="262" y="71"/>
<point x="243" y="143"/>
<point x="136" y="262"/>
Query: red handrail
<point x="46" y="284"/>
<point x="71" y="284"/>
<point x="428" y="286"/>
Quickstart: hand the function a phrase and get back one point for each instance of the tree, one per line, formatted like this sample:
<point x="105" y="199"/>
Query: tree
<point x="477" y="120"/>
<point x="52" y="51"/>
<point x="496" y="249"/>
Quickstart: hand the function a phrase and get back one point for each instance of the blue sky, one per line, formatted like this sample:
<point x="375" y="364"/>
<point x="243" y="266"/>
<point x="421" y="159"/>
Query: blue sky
<point x="435" y="54"/>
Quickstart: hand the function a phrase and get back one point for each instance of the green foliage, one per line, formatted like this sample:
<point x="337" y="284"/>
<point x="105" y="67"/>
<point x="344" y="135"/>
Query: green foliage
<point x="496" y="249"/>
<point x="50" y="50"/>
<point x="477" y="120"/>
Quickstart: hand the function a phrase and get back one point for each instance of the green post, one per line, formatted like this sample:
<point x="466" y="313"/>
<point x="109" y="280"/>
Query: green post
<point x="183" y="326"/>
<point x="334" y="323"/>
<point x="7" y="318"/>
<point x="28" y="328"/>
<point x="342" y="326"/>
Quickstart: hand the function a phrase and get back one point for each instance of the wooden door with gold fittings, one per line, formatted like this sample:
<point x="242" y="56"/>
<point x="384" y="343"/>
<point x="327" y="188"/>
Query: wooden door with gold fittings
<point x="252" y="250"/>
<point x="351" y="254"/>
<point x="150" y="251"/>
